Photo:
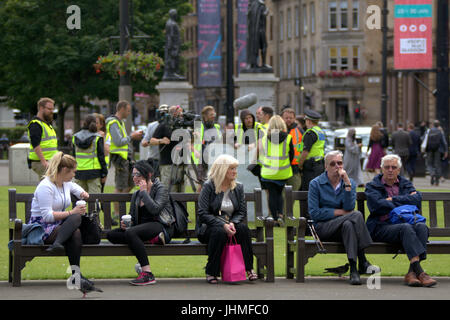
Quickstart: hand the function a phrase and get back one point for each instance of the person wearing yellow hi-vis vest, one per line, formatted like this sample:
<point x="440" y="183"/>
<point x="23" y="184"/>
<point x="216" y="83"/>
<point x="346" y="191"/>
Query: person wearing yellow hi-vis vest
<point x="119" y="150"/>
<point x="246" y="132"/>
<point x="89" y="152"/>
<point x="209" y="132"/>
<point x="42" y="136"/>
<point x="312" y="148"/>
<point x="288" y="116"/>
<point x="278" y="152"/>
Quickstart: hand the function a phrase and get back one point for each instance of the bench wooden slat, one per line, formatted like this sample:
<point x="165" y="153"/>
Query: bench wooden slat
<point x="446" y="206"/>
<point x="432" y="214"/>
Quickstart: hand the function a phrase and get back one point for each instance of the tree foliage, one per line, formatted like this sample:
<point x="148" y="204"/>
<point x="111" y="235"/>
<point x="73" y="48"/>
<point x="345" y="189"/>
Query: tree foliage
<point x="42" y="57"/>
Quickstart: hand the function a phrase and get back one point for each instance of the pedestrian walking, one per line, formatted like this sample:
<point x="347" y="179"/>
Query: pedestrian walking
<point x="401" y="141"/>
<point x="352" y="155"/>
<point x="376" y="149"/>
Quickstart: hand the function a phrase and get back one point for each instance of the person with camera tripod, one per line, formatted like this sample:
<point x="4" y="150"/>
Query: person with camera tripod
<point x="172" y="179"/>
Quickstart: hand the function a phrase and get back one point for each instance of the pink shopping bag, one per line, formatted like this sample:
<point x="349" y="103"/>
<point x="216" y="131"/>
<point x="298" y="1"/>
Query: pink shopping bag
<point x="232" y="263"/>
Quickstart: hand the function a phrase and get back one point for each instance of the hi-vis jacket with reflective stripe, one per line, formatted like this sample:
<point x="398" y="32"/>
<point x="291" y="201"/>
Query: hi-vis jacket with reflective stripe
<point x="276" y="164"/>
<point x="49" y="142"/>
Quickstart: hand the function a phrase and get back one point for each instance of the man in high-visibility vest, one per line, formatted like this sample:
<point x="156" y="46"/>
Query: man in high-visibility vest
<point x="246" y="132"/>
<point x="120" y="153"/>
<point x="312" y="148"/>
<point x="209" y="133"/>
<point x="288" y="116"/>
<point x="42" y="136"/>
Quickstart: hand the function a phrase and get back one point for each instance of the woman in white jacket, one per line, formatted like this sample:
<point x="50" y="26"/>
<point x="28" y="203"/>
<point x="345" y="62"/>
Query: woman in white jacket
<point x="51" y="199"/>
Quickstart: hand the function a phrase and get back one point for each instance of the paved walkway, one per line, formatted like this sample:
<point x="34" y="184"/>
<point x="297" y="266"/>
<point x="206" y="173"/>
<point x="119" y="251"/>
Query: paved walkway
<point x="314" y="288"/>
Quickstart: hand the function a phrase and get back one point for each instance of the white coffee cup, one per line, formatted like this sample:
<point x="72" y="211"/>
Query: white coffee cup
<point x="80" y="203"/>
<point x="126" y="220"/>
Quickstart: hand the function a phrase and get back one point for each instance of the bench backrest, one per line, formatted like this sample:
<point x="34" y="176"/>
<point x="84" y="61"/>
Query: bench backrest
<point x="439" y="224"/>
<point x="106" y="200"/>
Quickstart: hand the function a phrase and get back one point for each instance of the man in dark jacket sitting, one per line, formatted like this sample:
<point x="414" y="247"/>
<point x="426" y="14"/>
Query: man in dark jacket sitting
<point x="385" y="192"/>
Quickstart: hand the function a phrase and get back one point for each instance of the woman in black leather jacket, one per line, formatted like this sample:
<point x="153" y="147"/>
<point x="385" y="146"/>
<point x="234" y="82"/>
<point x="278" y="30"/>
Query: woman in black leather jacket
<point x="151" y="217"/>
<point x="222" y="213"/>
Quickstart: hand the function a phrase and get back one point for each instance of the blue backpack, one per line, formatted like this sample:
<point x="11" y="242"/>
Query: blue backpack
<point x="406" y="214"/>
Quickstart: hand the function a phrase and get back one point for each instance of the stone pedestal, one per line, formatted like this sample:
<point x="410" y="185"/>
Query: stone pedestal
<point x="19" y="174"/>
<point x="261" y="84"/>
<point x="174" y="93"/>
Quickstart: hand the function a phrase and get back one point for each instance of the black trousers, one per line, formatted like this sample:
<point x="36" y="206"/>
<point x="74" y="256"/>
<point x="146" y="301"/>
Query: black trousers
<point x="275" y="198"/>
<point x="413" y="238"/>
<point x="216" y="238"/>
<point x="135" y="237"/>
<point x="311" y="169"/>
<point x="68" y="234"/>
<point x="350" y="229"/>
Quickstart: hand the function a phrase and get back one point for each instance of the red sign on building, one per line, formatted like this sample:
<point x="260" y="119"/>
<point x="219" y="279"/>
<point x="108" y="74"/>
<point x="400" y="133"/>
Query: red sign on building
<point x="413" y="22"/>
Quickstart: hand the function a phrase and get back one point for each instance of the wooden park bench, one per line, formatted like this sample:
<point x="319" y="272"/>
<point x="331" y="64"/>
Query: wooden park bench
<point x="262" y="234"/>
<point x="300" y="249"/>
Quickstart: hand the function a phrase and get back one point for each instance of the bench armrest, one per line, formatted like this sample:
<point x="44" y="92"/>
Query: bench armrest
<point x="15" y="229"/>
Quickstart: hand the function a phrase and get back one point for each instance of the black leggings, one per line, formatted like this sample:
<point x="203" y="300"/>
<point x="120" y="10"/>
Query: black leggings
<point x="216" y="238"/>
<point x="275" y="199"/>
<point x="68" y="234"/>
<point x="135" y="237"/>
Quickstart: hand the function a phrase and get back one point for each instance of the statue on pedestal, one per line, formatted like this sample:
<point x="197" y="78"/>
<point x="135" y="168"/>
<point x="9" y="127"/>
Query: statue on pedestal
<point x="172" y="49"/>
<point x="256" y="37"/>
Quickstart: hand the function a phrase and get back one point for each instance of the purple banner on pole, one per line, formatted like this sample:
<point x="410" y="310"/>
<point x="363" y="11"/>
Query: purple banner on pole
<point x="241" y="41"/>
<point x="209" y="45"/>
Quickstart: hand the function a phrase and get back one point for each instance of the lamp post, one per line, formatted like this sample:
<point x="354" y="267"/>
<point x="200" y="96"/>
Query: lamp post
<point x="442" y="64"/>
<point x="125" y="89"/>
<point x="230" y="64"/>
<point x="384" y="96"/>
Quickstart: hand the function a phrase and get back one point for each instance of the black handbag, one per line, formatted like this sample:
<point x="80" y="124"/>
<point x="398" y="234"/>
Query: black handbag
<point x="181" y="219"/>
<point x="90" y="228"/>
<point x="255" y="169"/>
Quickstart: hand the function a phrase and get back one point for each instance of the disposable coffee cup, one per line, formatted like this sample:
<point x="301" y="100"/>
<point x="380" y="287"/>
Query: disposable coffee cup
<point x="126" y="220"/>
<point x="80" y="203"/>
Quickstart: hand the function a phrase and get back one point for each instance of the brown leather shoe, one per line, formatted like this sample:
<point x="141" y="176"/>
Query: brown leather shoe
<point x="411" y="280"/>
<point x="426" y="280"/>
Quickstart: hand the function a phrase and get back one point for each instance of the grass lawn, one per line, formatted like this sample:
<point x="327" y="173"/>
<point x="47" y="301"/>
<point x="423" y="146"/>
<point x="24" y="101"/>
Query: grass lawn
<point x="193" y="266"/>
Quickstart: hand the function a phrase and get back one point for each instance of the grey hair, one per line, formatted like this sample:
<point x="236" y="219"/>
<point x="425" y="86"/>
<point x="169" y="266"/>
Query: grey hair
<point x="332" y="154"/>
<point x="389" y="157"/>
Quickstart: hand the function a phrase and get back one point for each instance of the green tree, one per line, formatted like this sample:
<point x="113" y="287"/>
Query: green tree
<point x="42" y="57"/>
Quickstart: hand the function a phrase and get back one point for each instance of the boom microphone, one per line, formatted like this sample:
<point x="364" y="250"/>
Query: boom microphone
<point x="246" y="101"/>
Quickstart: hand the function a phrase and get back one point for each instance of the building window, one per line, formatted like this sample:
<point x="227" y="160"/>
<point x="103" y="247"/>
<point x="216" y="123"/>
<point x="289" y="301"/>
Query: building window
<point x="313" y="61"/>
<point x="289" y="65"/>
<point x="332" y="15"/>
<point x="281" y="67"/>
<point x="305" y="20"/>
<point x="297" y="64"/>
<point x="297" y="22"/>
<point x="281" y="26"/>
<point x="344" y="58"/>
<point x="355" y="14"/>
<point x="355" y="58"/>
<point x="344" y="15"/>
<point x="333" y="58"/>
<point x="289" y="24"/>
<point x="305" y="64"/>
<point x="312" y="17"/>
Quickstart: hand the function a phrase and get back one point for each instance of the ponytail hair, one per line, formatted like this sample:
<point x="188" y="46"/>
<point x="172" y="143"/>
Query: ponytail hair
<point x="90" y="123"/>
<point x="57" y="163"/>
